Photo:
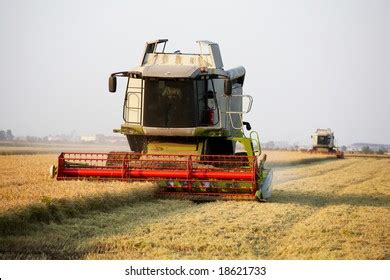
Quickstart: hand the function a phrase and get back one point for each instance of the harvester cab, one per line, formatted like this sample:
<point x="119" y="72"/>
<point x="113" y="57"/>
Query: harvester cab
<point x="323" y="139"/>
<point x="183" y="119"/>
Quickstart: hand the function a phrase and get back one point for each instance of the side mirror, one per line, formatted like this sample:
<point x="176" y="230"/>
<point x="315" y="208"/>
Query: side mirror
<point x="247" y="125"/>
<point x="228" y="87"/>
<point x="112" y="84"/>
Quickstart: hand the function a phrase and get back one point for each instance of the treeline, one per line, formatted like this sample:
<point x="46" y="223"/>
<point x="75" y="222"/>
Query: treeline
<point x="6" y="135"/>
<point x="368" y="150"/>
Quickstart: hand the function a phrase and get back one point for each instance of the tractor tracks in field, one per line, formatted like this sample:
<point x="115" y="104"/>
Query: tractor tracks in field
<point x="317" y="200"/>
<point x="316" y="190"/>
<point x="335" y="198"/>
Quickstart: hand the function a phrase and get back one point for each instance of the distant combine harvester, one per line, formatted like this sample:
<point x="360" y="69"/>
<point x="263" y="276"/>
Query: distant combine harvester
<point x="323" y="142"/>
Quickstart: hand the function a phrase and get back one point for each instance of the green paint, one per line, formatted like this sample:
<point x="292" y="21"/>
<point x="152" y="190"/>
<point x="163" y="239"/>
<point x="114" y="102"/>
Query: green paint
<point x="199" y="131"/>
<point x="129" y="130"/>
<point x="156" y="147"/>
<point x="246" y="142"/>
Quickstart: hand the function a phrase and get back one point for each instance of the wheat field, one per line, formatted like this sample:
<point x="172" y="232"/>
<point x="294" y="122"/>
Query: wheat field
<point x="321" y="208"/>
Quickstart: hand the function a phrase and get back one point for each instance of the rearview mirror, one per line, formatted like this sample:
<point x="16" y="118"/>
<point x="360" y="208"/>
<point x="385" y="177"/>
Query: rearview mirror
<point x="228" y="87"/>
<point x="247" y="125"/>
<point x="112" y="84"/>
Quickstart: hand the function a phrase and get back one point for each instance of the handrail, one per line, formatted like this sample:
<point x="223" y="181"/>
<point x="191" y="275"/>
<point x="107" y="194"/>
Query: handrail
<point x="240" y="113"/>
<point x="255" y="138"/>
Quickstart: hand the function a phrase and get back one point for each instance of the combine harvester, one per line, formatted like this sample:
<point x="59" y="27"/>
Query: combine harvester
<point x="183" y="119"/>
<point x="324" y="143"/>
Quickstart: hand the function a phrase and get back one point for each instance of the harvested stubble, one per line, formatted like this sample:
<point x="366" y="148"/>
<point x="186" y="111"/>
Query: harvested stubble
<point x="277" y="158"/>
<point x="323" y="209"/>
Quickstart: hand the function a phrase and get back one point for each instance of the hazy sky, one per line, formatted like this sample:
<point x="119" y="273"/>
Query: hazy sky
<point x="310" y="64"/>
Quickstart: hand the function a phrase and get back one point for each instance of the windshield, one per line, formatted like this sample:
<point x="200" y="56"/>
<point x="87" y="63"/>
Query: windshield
<point x="169" y="103"/>
<point x="323" y="140"/>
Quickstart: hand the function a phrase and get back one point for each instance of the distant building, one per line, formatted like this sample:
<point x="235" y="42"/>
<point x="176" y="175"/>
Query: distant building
<point x="54" y="138"/>
<point x="88" y="138"/>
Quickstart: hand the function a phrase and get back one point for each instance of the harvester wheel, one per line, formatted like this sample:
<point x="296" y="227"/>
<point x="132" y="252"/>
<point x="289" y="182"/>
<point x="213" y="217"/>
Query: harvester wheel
<point x="53" y="171"/>
<point x="339" y="154"/>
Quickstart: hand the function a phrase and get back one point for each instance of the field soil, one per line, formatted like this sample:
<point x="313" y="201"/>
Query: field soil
<point x="321" y="208"/>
